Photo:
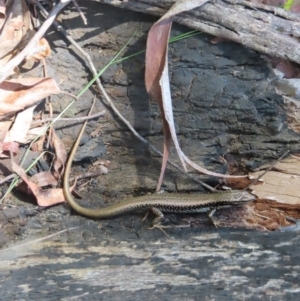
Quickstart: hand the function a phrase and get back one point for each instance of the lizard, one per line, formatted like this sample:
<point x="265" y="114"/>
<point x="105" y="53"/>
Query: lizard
<point x="159" y="202"/>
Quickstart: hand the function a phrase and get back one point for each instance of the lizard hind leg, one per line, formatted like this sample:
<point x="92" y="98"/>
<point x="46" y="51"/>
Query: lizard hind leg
<point x="211" y="217"/>
<point x="213" y="220"/>
<point x="159" y="216"/>
<point x="157" y="221"/>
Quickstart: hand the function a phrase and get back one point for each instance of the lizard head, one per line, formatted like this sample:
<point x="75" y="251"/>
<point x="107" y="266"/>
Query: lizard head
<point x="243" y="197"/>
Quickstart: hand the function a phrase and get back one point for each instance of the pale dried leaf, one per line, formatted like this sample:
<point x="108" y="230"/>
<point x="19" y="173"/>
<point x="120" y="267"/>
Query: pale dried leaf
<point x="34" y="133"/>
<point x="25" y="92"/>
<point x="274" y="2"/>
<point x="168" y="109"/>
<point x="17" y="26"/>
<point x="101" y="162"/>
<point x="256" y="1"/>
<point x="288" y="87"/>
<point x="207" y="172"/>
<point x="20" y="126"/>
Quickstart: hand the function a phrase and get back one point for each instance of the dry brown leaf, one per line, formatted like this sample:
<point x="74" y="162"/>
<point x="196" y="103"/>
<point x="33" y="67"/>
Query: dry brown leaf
<point x="44" y="178"/>
<point x="158" y="84"/>
<point x="41" y="51"/>
<point x="50" y="197"/>
<point x="44" y="198"/>
<point x="37" y="146"/>
<point x="14" y="62"/>
<point x="16" y="29"/>
<point x="7" y="147"/>
<point x="155" y="58"/>
<point x="34" y="133"/>
<point x="19" y="94"/>
<point x="60" y="154"/>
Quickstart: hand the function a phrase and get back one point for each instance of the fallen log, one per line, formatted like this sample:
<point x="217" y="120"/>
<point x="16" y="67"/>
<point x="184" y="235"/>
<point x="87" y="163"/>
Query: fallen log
<point x="267" y="29"/>
<point x="216" y="265"/>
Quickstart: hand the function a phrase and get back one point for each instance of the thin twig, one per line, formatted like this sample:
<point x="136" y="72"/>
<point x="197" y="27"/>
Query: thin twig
<point x="267" y="170"/>
<point x="76" y="119"/>
<point x="90" y="174"/>
<point x="80" y="12"/>
<point x="10" y="177"/>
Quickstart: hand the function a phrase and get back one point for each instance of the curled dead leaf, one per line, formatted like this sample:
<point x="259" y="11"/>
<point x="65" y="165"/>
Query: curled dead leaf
<point x="44" y="198"/>
<point x="60" y="154"/>
<point x="158" y="84"/>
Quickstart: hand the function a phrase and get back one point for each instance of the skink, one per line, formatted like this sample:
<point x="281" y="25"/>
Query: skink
<point x="158" y="203"/>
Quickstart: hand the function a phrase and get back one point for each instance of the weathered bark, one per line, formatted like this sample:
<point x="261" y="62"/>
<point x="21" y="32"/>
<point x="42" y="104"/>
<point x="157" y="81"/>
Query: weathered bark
<point x="267" y="29"/>
<point x="202" y="266"/>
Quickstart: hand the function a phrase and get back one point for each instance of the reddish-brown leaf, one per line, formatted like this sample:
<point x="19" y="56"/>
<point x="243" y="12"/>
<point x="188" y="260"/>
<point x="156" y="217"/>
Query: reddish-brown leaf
<point x="60" y="154"/>
<point x="158" y="84"/>
<point x="44" y="178"/>
<point x="44" y="198"/>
